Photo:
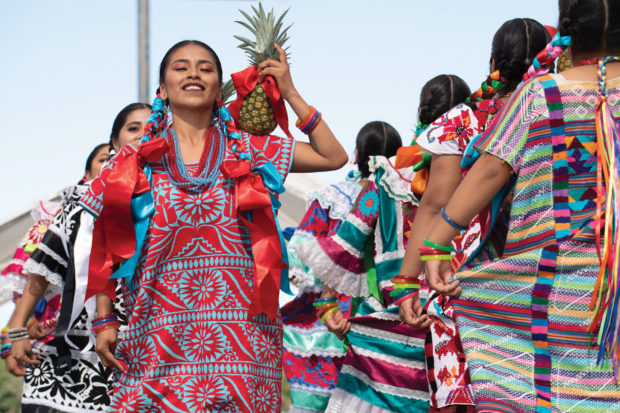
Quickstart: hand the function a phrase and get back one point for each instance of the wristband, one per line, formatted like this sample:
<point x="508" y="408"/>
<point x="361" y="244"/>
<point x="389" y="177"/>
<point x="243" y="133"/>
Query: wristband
<point x="446" y="248"/>
<point x="451" y="221"/>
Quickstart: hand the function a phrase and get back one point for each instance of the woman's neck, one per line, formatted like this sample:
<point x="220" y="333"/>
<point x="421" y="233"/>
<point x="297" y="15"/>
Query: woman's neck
<point x="191" y="126"/>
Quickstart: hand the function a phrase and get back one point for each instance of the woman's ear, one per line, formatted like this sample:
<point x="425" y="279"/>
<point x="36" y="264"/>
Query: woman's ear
<point x="492" y="65"/>
<point x="163" y="93"/>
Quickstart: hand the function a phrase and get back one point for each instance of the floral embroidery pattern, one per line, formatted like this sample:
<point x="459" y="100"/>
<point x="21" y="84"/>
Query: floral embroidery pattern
<point x="369" y="203"/>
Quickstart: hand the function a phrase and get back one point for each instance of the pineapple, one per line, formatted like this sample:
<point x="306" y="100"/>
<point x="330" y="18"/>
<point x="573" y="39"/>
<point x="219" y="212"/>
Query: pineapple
<point x="256" y="115"/>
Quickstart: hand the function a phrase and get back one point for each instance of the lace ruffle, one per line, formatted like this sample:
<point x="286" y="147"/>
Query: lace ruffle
<point x="11" y="284"/>
<point x="338" y="199"/>
<point x="396" y="182"/>
<point x="44" y="210"/>
<point x="330" y="273"/>
<point x="34" y="267"/>
<point x="343" y="402"/>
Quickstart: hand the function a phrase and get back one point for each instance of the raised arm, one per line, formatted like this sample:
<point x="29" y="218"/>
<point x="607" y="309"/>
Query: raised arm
<point x="324" y="152"/>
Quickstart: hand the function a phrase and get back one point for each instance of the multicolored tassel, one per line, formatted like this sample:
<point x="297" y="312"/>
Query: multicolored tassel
<point x="606" y="295"/>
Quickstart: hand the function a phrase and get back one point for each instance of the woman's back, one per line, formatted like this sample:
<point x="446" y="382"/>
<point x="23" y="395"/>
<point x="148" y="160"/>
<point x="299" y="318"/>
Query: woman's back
<point x="532" y="131"/>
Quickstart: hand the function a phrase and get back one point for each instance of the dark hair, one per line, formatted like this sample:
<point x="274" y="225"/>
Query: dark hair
<point x="92" y="155"/>
<point x="166" y="60"/>
<point x="375" y="138"/>
<point x="593" y="24"/>
<point x="121" y="119"/>
<point x="439" y="95"/>
<point x="514" y="47"/>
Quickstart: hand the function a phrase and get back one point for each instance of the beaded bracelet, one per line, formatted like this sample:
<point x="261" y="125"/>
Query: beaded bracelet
<point x="5" y="345"/>
<point x="17" y="334"/>
<point x="451" y="221"/>
<point x="404" y="288"/>
<point x="106" y="322"/>
<point x="5" y="350"/>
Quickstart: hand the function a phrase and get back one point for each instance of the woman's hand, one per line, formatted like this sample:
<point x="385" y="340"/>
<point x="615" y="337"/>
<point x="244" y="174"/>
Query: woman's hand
<point x="22" y="351"/>
<point x="14" y="366"/>
<point x="438" y="275"/>
<point x="337" y="324"/>
<point x="280" y="72"/>
<point x="410" y="312"/>
<point x="35" y="330"/>
<point x="105" y="347"/>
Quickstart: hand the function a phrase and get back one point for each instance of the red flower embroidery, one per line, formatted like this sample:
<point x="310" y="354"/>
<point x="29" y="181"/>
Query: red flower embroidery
<point x="459" y="129"/>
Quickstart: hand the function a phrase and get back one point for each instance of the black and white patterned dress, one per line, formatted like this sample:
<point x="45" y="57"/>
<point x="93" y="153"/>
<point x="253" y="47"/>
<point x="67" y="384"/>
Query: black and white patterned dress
<point x="62" y="258"/>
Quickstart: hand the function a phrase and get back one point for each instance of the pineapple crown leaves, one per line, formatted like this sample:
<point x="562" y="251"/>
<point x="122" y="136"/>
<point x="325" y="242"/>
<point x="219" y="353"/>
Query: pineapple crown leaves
<point x="228" y="90"/>
<point x="267" y="31"/>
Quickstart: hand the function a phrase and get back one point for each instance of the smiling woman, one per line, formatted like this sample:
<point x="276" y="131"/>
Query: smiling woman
<point x="202" y="285"/>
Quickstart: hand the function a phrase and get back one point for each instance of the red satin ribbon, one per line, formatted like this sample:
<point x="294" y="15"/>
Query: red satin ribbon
<point x="114" y="239"/>
<point x="245" y="82"/>
<point x="252" y="196"/>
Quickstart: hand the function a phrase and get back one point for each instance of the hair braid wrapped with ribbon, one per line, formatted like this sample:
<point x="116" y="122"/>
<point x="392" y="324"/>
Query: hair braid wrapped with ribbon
<point x="545" y="59"/>
<point x="489" y="88"/>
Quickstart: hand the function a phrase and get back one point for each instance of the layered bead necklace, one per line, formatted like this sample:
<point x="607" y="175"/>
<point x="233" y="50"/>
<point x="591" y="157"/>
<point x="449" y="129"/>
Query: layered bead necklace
<point x="212" y="157"/>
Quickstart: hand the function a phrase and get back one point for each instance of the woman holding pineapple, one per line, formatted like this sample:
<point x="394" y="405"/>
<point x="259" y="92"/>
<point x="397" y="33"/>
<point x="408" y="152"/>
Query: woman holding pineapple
<point x="205" y="268"/>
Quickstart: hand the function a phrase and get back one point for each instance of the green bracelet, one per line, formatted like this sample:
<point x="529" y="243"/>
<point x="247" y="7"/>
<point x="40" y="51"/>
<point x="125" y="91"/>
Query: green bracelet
<point x="436" y="257"/>
<point x="446" y="248"/>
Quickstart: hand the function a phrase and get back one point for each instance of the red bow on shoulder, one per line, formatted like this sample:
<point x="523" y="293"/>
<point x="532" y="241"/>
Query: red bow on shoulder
<point x="114" y="239"/>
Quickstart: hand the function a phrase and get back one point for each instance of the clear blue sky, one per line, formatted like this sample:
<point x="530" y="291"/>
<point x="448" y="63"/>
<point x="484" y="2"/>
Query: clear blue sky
<point x="69" y="66"/>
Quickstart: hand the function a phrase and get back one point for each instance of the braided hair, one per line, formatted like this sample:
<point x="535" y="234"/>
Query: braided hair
<point x="514" y="47"/>
<point x="375" y="138"/>
<point x="585" y="26"/>
<point x="439" y="95"/>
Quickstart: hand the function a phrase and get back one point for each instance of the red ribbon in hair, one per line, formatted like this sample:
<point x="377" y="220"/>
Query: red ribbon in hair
<point x="245" y="82"/>
<point x="253" y="197"/>
<point x="114" y="239"/>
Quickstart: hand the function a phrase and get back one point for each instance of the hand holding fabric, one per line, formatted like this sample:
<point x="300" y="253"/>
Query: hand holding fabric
<point x="105" y="347"/>
<point x="438" y="275"/>
<point x="337" y="324"/>
<point x="410" y="311"/>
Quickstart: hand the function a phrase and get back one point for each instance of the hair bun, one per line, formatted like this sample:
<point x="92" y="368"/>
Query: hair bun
<point x="565" y="26"/>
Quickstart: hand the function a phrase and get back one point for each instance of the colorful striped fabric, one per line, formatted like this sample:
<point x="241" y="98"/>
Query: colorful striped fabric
<point x="384" y="368"/>
<point x="312" y="356"/>
<point x="523" y="319"/>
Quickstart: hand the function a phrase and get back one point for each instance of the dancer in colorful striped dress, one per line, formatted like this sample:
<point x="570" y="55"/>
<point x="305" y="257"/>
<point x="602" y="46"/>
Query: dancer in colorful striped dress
<point x="514" y="46"/>
<point x="384" y="367"/>
<point x="539" y="326"/>
<point x="312" y="355"/>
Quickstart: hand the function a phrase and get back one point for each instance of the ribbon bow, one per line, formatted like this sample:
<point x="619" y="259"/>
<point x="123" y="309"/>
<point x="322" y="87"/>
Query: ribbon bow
<point x="414" y="156"/>
<point x="126" y="197"/>
<point x="245" y="82"/>
<point x="256" y="206"/>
